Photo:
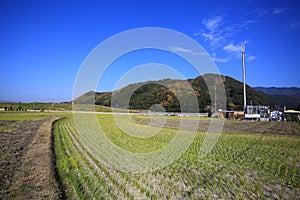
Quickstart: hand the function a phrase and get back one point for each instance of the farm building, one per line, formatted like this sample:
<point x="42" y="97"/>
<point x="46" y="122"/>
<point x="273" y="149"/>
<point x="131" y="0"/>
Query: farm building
<point x="291" y="115"/>
<point x="230" y="114"/>
<point x="276" y="115"/>
<point x="261" y="113"/>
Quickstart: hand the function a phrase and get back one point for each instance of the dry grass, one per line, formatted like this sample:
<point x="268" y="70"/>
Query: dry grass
<point x="36" y="178"/>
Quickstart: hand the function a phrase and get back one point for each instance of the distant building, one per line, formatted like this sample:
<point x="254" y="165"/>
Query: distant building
<point x="276" y="115"/>
<point x="230" y="114"/>
<point x="261" y="113"/>
<point x="291" y="115"/>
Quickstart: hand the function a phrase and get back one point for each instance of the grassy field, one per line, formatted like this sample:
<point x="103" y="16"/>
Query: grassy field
<point x="55" y="106"/>
<point x="36" y="106"/>
<point x="241" y="166"/>
<point x="251" y="160"/>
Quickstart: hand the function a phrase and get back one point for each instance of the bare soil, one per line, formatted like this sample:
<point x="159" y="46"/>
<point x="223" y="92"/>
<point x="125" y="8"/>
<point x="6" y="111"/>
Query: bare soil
<point x="26" y="170"/>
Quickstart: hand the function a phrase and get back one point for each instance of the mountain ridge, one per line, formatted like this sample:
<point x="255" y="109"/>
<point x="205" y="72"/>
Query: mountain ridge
<point x="288" y="91"/>
<point x="146" y="94"/>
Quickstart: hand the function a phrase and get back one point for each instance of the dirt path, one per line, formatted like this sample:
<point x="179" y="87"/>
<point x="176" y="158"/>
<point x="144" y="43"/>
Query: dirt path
<point x="15" y="138"/>
<point x="36" y="178"/>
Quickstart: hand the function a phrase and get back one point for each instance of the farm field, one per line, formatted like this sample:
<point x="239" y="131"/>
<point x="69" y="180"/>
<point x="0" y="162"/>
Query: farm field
<point x="251" y="160"/>
<point x="230" y="126"/>
<point x="25" y="160"/>
<point x="12" y="106"/>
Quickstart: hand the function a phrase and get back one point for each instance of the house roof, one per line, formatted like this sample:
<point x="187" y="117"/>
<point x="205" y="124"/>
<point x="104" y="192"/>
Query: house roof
<point x="292" y="112"/>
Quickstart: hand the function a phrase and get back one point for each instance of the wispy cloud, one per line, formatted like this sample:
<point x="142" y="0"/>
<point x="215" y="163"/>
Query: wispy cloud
<point x="234" y="51"/>
<point x="294" y="25"/>
<point x="277" y="11"/>
<point x="213" y="24"/>
<point x="247" y="22"/>
<point x="250" y="58"/>
<point x="221" y="35"/>
<point x="258" y="13"/>
<point x="214" y="31"/>
<point x="184" y="50"/>
<point x="221" y="60"/>
<point x="219" y="32"/>
<point x="232" y="48"/>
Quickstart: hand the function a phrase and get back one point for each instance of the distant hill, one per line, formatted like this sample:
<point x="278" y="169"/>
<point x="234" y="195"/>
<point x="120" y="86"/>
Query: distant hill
<point x="287" y="91"/>
<point x="283" y="96"/>
<point x="5" y="101"/>
<point x="146" y="94"/>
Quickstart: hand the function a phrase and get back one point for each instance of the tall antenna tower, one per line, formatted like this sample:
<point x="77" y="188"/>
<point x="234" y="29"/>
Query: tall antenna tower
<point x="244" y="74"/>
<point x="215" y="99"/>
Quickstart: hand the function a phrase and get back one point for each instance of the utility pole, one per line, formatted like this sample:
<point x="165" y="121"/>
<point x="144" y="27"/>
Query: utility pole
<point x="52" y="103"/>
<point x="244" y="74"/>
<point x="215" y="100"/>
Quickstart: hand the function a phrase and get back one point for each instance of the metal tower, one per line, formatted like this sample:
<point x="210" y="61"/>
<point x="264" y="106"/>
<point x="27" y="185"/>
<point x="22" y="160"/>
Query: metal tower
<point x="244" y="74"/>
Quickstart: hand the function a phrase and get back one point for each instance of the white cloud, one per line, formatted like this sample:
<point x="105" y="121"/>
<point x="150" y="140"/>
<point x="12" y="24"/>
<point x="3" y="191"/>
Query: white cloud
<point x="250" y="58"/>
<point x="294" y="25"/>
<point x="222" y="60"/>
<point x="217" y="31"/>
<point x="221" y="35"/>
<point x="213" y="23"/>
<point x="277" y="11"/>
<point x="232" y="48"/>
<point x="258" y="13"/>
<point x="214" y="31"/>
<point x="235" y="50"/>
<point x="235" y="53"/>
<point x="184" y="50"/>
<point x="209" y="36"/>
<point x="247" y="22"/>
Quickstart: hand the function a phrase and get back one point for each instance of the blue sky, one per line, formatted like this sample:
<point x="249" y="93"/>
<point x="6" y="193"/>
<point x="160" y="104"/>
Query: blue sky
<point x="43" y="43"/>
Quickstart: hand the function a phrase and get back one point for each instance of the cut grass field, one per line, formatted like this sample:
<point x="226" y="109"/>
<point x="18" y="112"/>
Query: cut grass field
<point x="251" y="160"/>
<point x="249" y="165"/>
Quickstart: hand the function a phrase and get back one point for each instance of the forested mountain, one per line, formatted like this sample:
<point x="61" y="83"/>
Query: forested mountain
<point x="168" y="92"/>
<point x="287" y="91"/>
<point x="288" y="96"/>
